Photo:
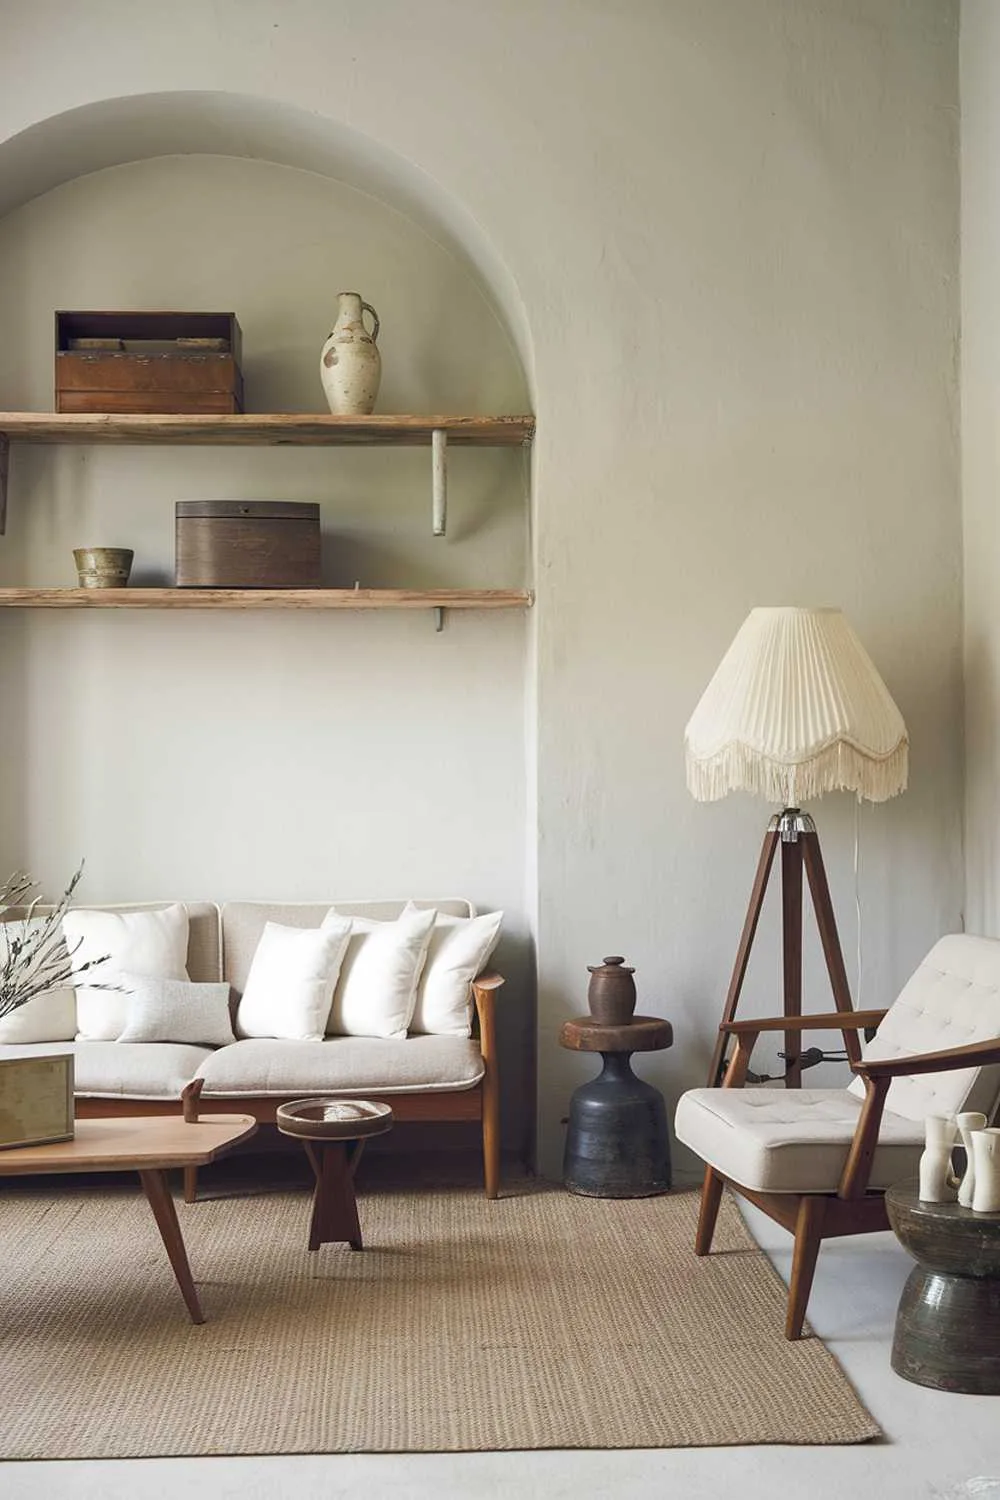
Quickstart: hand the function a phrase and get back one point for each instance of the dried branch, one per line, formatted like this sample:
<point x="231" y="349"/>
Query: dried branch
<point x="34" y="957"/>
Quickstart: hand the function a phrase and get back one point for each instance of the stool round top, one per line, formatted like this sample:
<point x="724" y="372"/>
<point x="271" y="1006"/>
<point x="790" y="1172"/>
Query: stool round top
<point x="944" y="1236"/>
<point x="641" y="1034"/>
<point x="333" y="1119"/>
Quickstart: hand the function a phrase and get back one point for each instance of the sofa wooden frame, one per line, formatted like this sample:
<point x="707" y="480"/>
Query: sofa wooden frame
<point x="854" y="1208"/>
<point x="480" y="1103"/>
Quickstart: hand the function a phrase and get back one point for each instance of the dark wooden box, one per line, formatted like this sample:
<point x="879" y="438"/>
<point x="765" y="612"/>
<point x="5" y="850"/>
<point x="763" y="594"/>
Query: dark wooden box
<point x="245" y="544"/>
<point x="170" y="362"/>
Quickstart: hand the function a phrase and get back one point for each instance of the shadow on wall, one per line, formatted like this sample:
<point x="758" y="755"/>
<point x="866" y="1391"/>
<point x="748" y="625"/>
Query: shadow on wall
<point x="982" y="693"/>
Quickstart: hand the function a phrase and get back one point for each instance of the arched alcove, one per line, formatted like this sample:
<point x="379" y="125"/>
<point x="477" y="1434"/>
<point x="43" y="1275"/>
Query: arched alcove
<point x="135" y="127"/>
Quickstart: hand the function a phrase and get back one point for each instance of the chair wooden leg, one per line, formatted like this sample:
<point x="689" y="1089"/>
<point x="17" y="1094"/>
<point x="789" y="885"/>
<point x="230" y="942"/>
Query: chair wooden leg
<point x="711" y="1197"/>
<point x="190" y="1184"/>
<point x="808" y="1237"/>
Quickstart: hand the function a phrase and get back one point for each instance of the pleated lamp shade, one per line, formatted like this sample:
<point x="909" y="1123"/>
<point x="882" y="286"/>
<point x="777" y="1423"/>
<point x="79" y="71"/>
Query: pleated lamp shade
<point x="795" y="709"/>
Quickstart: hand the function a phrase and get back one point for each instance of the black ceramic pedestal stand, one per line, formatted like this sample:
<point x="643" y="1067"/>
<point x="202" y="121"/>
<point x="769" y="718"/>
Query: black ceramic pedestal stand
<point x="617" y="1143"/>
<point x="948" y="1324"/>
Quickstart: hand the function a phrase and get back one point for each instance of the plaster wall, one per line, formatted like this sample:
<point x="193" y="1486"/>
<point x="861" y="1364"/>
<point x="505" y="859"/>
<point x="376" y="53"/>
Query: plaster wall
<point x="980" y="59"/>
<point x="732" y="229"/>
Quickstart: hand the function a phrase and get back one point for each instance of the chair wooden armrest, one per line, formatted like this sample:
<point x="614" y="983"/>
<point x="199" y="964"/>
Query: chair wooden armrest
<point x="747" y="1032"/>
<point x="974" y="1055"/>
<point x="877" y="1075"/>
<point x="838" y="1020"/>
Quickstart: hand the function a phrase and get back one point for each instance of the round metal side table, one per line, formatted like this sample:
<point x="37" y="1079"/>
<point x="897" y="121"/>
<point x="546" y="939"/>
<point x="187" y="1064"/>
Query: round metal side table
<point x="948" y="1323"/>
<point x="617" y="1143"/>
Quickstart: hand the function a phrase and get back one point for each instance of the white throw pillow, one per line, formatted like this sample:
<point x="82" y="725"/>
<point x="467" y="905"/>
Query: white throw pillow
<point x="151" y="943"/>
<point x="47" y="1018"/>
<point x="459" y="949"/>
<point x="290" y="985"/>
<point x="175" y="1010"/>
<point x="378" y="982"/>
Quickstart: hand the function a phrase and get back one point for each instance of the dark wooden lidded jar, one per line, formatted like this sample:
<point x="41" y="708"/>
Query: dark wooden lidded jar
<point x="611" y="992"/>
<point x="247" y="544"/>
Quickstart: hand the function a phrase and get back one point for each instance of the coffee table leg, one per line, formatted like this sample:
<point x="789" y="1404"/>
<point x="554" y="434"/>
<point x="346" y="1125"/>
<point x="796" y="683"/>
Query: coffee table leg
<point x="335" y="1208"/>
<point x="154" y="1184"/>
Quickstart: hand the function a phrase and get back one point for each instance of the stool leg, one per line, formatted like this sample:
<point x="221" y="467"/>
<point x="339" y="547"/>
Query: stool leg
<point x="335" y="1209"/>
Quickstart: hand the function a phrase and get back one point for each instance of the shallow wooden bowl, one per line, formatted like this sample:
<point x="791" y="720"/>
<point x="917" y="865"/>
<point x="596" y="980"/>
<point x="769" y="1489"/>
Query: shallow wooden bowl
<point x="333" y="1119"/>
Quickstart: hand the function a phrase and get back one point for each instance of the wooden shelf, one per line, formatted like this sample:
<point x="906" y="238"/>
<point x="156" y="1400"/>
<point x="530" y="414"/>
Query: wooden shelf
<point x="301" y="429"/>
<point x="274" y="429"/>
<point x="184" y="598"/>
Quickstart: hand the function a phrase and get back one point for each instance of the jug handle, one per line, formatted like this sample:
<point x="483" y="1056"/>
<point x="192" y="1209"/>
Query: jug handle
<point x="367" y="307"/>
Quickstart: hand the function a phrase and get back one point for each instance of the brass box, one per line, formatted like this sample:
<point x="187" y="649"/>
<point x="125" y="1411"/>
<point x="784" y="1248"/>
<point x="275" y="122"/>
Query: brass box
<point x="36" y="1100"/>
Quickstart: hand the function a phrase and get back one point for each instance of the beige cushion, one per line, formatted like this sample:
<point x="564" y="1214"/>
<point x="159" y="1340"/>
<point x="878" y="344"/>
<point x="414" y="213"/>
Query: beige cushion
<point x="124" y="1070"/>
<point x="952" y="1000"/>
<point x="343" y="1065"/>
<point x="791" y="1140"/>
<point x="243" y="922"/>
<point x="102" y="944"/>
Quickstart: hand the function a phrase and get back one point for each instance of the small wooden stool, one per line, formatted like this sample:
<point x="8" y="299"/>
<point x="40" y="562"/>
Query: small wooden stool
<point x="333" y="1132"/>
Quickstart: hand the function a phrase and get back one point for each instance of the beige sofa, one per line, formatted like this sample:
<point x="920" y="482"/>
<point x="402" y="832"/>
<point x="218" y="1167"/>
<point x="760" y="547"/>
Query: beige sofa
<point x="425" y="1078"/>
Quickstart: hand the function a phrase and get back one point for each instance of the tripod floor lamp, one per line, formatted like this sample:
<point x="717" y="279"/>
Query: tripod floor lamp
<point x="795" y="709"/>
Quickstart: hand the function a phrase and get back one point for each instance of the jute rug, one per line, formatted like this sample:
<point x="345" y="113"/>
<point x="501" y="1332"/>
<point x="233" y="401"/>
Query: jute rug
<point x="543" y="1320"/>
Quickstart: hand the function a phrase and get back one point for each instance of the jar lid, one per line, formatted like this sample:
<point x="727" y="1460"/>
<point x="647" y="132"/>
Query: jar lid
<point x="613" y="965"/>
<point x="257" y="510"/>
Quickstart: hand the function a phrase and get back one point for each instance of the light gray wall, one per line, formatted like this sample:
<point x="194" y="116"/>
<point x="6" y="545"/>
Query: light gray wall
<point x="725" y="237"/>
<point x="980" y="60"/>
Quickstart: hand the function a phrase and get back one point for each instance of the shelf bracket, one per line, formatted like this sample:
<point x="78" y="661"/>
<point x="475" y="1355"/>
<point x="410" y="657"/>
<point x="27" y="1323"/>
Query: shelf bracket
<point x="439" y="480"/>
<point x="4" y="471"/>
<point x="439" y="617"/>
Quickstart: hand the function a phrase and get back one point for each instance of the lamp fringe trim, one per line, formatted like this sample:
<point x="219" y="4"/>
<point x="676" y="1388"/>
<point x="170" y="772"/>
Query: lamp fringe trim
<point x="839" y="767"/>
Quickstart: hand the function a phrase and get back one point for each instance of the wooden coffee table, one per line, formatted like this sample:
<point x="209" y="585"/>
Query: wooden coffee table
<point x="150" y="1146"/>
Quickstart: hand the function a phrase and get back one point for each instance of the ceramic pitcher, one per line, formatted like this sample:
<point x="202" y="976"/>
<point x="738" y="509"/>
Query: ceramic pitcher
<point x="968" y="1121"/>
<point x="350" y="365"/>
<point x="986" y="1157"/>
<point x="937" y="1181"/>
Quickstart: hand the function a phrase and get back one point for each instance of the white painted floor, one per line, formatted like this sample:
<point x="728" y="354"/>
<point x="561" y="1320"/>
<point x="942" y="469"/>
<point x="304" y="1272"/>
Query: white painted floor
<point x="937" y="1447"/>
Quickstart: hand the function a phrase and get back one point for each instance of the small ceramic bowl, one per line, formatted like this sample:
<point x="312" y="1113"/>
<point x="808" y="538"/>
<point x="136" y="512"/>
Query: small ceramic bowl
<point x="103" y="567"/>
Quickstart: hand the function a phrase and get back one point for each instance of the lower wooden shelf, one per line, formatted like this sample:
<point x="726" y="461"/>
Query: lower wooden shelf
<point x="185" y="598"/>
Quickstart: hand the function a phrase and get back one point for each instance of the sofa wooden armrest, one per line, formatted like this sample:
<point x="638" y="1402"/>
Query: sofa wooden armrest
<point x="484" y="991"/>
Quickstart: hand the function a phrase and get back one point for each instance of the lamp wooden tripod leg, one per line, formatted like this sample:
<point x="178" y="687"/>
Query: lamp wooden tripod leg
<point x="796" y="833"/>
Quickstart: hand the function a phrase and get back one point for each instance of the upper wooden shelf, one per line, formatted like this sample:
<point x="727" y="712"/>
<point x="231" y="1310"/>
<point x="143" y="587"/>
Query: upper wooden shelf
<point x="302" y="429"/>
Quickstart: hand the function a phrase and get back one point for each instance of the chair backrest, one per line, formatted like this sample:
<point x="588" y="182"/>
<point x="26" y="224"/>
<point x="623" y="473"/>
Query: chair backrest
<point x="952" y="1000"/>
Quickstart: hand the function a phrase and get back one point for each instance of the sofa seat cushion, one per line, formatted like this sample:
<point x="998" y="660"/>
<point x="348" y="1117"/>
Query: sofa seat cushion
<point x="124" y="1070"/>
<point x="342" y="1065"/>
<point x="791" y="1140"/>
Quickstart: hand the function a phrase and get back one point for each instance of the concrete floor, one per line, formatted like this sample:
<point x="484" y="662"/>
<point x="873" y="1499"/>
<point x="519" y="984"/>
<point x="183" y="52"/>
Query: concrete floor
<point x="937" y="1447"/>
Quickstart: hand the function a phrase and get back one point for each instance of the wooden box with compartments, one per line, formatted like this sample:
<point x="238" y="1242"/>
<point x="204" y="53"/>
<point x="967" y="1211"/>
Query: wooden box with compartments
<point x="170" y="362"/>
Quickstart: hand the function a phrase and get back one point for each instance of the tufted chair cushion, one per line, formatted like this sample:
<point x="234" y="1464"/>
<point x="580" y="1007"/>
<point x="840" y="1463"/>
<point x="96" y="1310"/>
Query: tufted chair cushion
<point x="790" y="1140"/>
<point x="953" y="999"/>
